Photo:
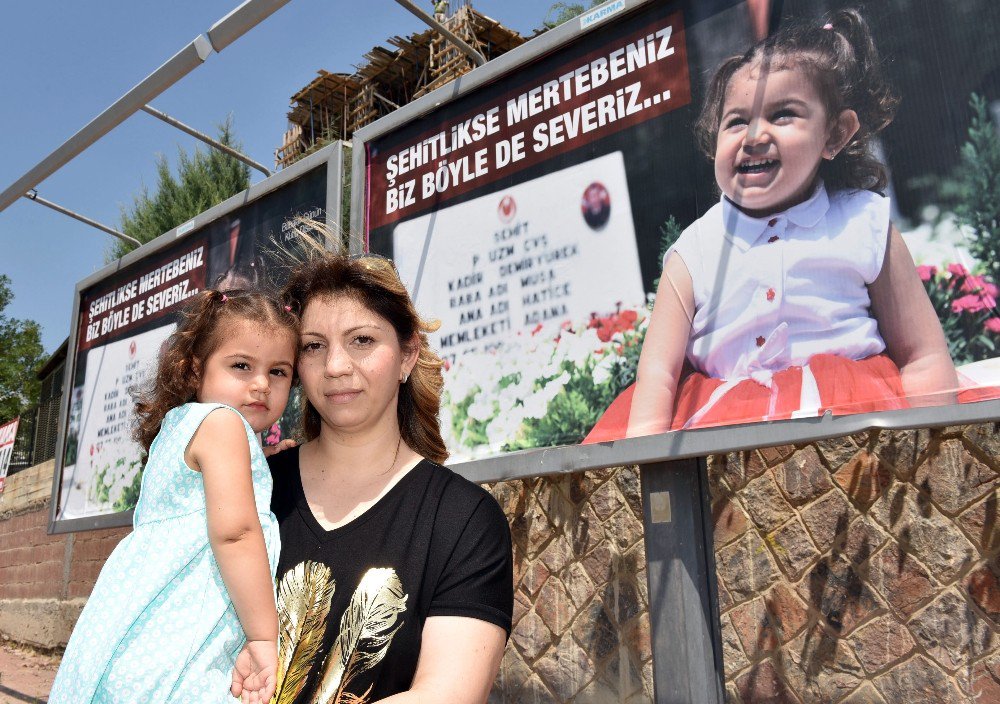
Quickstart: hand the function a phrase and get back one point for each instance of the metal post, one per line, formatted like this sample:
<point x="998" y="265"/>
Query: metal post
<point x="683" y="603"/>
<point x="478" y="58"/>
<point x="214" y="143"/>
<point x="33" y="195"/>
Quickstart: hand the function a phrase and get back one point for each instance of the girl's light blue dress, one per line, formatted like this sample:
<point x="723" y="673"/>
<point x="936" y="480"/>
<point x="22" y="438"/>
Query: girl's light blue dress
<point x="159" y="625"/>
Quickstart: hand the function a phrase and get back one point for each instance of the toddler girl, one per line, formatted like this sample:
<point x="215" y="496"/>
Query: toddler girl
<point x="795" y="294"/>
<point x="194" y="582"/>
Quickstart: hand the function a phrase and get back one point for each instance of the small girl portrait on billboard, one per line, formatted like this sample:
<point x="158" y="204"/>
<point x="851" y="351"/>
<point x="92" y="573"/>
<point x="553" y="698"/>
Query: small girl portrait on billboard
<point x="794" y="294"/>
<point x="184" y="608"/>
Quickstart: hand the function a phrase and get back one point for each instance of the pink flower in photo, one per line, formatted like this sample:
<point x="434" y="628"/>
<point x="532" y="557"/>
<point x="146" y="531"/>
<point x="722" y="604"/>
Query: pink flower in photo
<point x="926" y="272"/>
<point x="971" y="303"/>
<point x="273" y="435"/>
<point x="993" y="325"/>
<point x="978" y="284"/>
<point x="957" y="270"/>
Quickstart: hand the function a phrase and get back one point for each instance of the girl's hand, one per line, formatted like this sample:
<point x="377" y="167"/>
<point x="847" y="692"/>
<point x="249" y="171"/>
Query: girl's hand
<point x="280" y="447"/>
<point x="255" y="673"/>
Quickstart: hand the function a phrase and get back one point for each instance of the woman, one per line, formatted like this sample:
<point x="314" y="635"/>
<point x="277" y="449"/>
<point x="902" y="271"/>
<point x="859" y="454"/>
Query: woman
<point x="395" y="577"/>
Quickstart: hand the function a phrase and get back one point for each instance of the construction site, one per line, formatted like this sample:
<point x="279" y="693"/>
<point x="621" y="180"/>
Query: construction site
<point x="335" y="105"/>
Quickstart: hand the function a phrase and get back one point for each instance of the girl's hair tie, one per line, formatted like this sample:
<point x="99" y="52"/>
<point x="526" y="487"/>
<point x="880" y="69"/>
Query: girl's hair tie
<point x="288" y="309"/>
<point x="828" y="26"/>
<point x="225" y="298"/>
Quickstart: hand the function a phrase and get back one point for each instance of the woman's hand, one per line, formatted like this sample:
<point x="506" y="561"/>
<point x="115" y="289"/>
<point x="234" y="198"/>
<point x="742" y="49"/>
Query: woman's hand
<point x="255" y="673"/>
<point x="459" y="660"/>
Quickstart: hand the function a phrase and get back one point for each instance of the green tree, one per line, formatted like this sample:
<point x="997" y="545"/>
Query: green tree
<point x="978" y="186"/>
<point x="565" y="11"/>
<point x="203" y="179"/>
<point x="21" y="355"/>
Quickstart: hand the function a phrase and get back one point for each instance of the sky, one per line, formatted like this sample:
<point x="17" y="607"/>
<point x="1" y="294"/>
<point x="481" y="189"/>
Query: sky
<point x="65" y="61"/>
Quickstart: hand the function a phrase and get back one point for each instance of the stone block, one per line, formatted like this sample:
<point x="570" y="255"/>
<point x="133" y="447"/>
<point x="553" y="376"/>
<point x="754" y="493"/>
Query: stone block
<point x="803" y="477"/>
<point x="746" y="567"/>
<point x="923" y="530"/>
<point x="902" y="449"/>
<point x="837" y="451"/>
<point x="836" y="590"/>
<point x="863" y="478"/>
<point x="765" y="504"/>
<point x="578" y="585"/>
<point x="827" y="519"/>
<point x="821" y="668"/>
<point x="763" y="684"/>
<point x="775" y="455"/>
<point x="983" y="588"/>
<point x="558" y="554"/>
<point x="595" y="631"/>
<point x="606" y="500"/>
<point x="952" y="632"/>
<point x="901" y="580"/>
<point x="765" y="623"/>
<point x="729" y="521"/>
<point x="738" y="468"/>
<point x="980" y="522"/>
<point x="792" y="549"/>
<point x="531" y="636"/>
<point x="565" y="669"/>
<point x="917" y="681"/>
<point x="881" y="642"/>
<point x="953" y="477"/>
<point x="983" y="682"/>
<point x="984" y="438"/>
<point x="865" y="694"/>
<point x="733" y="657"/>
<point x="862" y="540"/>
<point x="598" y="564"/>
<point x="554" y="607"/>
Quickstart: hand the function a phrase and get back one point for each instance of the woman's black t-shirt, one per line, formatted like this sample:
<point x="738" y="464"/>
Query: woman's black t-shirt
<point x="352" y="601"/>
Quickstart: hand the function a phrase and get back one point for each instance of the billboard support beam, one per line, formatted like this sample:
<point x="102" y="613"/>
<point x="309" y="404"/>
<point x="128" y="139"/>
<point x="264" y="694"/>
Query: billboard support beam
<point x="478" y="58"/>
<point x="214" y="143"/>
<point x="33" y="195"/>
<point x="680" y="569"/>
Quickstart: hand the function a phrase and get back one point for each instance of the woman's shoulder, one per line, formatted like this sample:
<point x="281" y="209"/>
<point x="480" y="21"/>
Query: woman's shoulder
<point x="458" y="495"/>
<point x="851" y="203"/>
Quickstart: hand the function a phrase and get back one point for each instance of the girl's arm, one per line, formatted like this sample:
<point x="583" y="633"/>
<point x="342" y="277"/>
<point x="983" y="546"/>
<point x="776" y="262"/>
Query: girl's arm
<point x="459" y="660"/>
<point x="220" y="451"/>
<point x="911" y="329"/>
<point x="662" y="355"/>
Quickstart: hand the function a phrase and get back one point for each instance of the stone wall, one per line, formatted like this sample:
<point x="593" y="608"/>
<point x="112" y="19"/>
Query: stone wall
<point x="862" y="569"/>
<point x="581" y="617"/>
<point x="44" y="579"/>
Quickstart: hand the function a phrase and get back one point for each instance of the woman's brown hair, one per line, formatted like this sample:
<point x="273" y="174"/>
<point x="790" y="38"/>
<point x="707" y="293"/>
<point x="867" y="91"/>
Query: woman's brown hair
<point x="373" y="282"/>
<point x="840" y="57"/>
<point x="204" y="319"/>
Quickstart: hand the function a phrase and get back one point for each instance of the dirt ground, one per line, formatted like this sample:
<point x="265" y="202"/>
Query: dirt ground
<point x="25" y="675"/>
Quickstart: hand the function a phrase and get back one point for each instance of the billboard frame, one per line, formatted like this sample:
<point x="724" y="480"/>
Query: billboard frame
<point x="332" y="156"/>
<point x="674" y="445"/>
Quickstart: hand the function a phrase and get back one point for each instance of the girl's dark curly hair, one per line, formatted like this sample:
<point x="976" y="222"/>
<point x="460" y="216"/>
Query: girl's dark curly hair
<point x="373" y="282"/>
<point x="844" y="65"/>
<point x="204" y="320"/>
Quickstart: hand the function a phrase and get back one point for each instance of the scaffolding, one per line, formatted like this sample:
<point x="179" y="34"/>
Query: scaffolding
<point x="334" y="105"/>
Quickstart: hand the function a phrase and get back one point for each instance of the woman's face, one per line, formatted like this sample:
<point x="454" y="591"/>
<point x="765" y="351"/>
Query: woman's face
<point x="351" y="364"/>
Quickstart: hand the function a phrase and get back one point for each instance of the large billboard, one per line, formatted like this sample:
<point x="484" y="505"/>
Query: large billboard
<point x="123" y="314"/>
<point x="605" y="269"/>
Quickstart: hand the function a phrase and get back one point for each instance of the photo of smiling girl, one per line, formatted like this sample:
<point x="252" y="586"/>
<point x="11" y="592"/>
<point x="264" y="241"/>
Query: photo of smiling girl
<point x="795" y="294"/>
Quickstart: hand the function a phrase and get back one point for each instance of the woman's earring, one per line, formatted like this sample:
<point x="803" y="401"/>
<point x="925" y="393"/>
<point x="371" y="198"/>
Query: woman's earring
<point x="405" y="378"/>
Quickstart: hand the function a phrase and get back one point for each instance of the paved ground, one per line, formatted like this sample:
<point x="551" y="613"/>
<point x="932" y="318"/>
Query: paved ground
<point x="25" y="675"/>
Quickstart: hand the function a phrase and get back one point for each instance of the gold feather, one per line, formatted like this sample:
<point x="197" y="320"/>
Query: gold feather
<point x="366" y="631"/>
<point x="304" y="598"/>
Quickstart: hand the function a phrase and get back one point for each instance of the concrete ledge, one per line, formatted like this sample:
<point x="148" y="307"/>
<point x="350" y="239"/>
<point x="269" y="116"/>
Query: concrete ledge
<point x="41" y="623"/>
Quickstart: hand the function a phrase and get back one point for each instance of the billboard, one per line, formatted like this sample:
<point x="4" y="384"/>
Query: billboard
<point x="598" y="277"/>
<point x="8" y="434"/>
<point x="124" y="313"/>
